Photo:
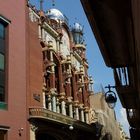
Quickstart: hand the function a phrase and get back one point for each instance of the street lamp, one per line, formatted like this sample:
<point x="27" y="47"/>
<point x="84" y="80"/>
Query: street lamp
<point x="110" y="97"/>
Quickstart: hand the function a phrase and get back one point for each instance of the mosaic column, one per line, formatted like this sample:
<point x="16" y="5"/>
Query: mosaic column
<point x="39" y="31"/>
<point x="82" y="113"/>
<point x="63" y="103"/>
<point x="49" y="103"/>
<point x="57" y="106"/>
<point x="44" y="92"/>
<point x="76" y="108"/>
<point x="44" y="98"/>
<point x="87" y="115"/>
<point x="53" y="94"/>
<point x="43" y="34"/>
<point x="70" y="106"/>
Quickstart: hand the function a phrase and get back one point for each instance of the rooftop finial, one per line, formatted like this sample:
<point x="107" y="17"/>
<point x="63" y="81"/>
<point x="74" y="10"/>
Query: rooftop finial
<point x="41" y="5"/>
<point x="53" y="3"/>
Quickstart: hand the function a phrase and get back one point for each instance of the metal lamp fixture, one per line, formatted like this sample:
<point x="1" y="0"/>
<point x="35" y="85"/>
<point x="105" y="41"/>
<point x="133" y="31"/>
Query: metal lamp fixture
<point x="110" y="97"/>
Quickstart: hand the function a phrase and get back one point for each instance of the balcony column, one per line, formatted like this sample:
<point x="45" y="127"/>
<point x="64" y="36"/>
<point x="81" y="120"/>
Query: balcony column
<point x="39" y="31"/>
<point x="87" y="115"/>
<point x="70" y="106"/>
<point x="53" y="94"/>
<point x="49" y="103"/>
<point x="44" y="97"/>
<point x="44" y="92"/>
<point x="32" y="132"/>
<point x="63" y="103"/>
<point x="82" y="113"/>
<point x="76" y="107"/>
<point x="57" y="106"/>
<point x="60" y="46"/>
<point x="43" y="34"/>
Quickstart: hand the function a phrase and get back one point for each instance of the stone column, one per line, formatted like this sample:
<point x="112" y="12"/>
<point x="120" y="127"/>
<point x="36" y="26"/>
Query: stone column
<point x="82" y="113"/>
<point x="51" y="56"/>
<point x="44" y="99"/>
<point x="70" y="106"/>
<point x="87" y="115"/>
<point x="76" y="107"/>
<point x="39" y="31"/>
<point x="57" y="106"/>
<point x="70" y="110"/>
<point x="49" y="103"/>
<point x="62" y="100"/>
<point x="53" y="94"/>
<point x="32" y="132"/>
<point x="43" y="34"/>
<point x="68" y="86"/>
<point x="44" y="92"/>
<point x="63" y="107"/>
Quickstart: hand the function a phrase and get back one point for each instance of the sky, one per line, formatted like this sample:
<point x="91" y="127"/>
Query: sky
<point x="101" y="74"/>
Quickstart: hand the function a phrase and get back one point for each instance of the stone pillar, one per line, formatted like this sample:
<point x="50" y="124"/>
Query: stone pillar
<point x="49" y="103"/>
<point x="53" y="94"/>
<point x="68" y="86"/>
<point x="62" y="100"/>
<point x="70" y="106"/>
<point x="32" y="132"/>
<point x="63" y="107"/>
<point x="82" y="113"/>
<point x="44" y="99"/>
<point x="57" y="106"/>
<point x="87" y="115"/>
<point x="70" y="110"/>
<point x="39" y="31"/>
<point x="44" y="93"/>
<point x="43" y="34"/>
<point x="76" y="107"/>
<point x="51" y="56"/>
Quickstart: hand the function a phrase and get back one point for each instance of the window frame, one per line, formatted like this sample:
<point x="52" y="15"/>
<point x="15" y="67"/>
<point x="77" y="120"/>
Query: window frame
<point x="5" y="22"/>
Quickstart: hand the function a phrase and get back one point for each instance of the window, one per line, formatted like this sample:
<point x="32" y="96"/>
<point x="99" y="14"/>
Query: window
<point x="3" y="27"/>
<point x="3" y="134"/>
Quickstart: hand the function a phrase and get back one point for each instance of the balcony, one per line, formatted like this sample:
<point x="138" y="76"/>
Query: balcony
<point x="60" y="119"/>
<point x="45" y="114"/>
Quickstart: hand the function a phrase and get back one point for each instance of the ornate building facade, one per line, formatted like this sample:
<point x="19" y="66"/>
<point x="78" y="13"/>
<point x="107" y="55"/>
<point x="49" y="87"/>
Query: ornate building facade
<point x="65" y="83"/>
<point x="46" y="85"/>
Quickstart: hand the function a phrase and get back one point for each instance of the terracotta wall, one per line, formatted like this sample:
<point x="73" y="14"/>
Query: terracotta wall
<point x="34" y="64"/>
<point x="15" y="115"/>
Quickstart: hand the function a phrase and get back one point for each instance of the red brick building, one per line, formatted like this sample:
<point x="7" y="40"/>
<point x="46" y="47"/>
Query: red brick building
<point x="44" y="85"/>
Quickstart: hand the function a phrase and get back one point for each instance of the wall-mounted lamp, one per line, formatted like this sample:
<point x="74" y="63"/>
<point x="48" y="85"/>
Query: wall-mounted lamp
<point x="71" y="127"/>
<point x="110" y="97"/>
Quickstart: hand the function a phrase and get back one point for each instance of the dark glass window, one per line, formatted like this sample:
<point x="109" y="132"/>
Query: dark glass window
<point x="2" y="60"/>
<point x="2" y="30"/>
<point x="3" y="135"/>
